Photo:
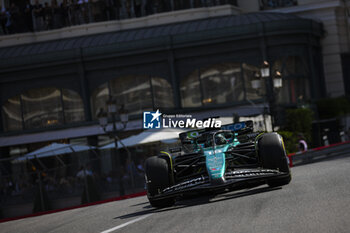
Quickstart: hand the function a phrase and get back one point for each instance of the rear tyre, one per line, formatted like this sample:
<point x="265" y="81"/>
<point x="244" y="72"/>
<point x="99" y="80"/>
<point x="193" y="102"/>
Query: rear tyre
<point x="158" y="178"/>
<point x="272" y="155"/>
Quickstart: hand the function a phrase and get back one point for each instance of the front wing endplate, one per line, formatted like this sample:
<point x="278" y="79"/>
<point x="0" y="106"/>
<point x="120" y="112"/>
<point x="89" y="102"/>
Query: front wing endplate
<point x="232" y="179"/>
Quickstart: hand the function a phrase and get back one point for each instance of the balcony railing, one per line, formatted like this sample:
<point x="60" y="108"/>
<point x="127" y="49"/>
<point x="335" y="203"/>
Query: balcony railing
<point x="273" y="4"/>
<point x="35" y="18"/>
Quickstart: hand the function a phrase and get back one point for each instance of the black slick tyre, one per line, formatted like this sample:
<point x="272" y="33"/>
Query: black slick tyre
<point x="158" y="178"/>
<point x="272" y="155"/>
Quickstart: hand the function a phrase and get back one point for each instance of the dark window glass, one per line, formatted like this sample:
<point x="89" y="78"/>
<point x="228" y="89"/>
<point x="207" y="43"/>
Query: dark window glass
<point x="162" y="93"/>
<point x="99" y="99"/>
<point x="190" y="91"/>
<point x="219" y="84"/>
<point x="295" y="83"/>
<point x="294" y="90"/>
<point x="42" y="107"/>
<point x="255" y="86"/>
<point x="294" y="65"/>
<point x="222" y="84"/>
<point x="73" y="106"/>
<point x="134" y="92"/>
<point x="11" y="114"/>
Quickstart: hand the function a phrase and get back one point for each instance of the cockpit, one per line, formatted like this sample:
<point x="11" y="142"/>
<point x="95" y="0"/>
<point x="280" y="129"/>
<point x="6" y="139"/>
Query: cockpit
<point x="220" y="138"/>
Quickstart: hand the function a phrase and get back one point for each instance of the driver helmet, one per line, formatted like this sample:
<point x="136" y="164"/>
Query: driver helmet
<point x="220" y="139"/>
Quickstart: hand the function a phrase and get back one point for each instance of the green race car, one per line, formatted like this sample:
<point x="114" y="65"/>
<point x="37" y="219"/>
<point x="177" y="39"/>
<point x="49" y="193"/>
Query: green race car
<point x="211" y="160"/>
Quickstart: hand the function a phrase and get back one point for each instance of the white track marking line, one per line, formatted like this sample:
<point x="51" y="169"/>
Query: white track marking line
<point x="127" y="223"/>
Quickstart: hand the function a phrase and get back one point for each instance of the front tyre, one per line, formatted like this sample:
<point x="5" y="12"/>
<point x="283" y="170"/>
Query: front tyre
<point x="158" y="178"/>
<point x="272" y="155"/>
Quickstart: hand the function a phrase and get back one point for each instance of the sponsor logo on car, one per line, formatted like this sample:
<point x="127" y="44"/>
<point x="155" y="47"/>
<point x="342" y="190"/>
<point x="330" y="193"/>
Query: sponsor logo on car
<point x="234" y="127"/>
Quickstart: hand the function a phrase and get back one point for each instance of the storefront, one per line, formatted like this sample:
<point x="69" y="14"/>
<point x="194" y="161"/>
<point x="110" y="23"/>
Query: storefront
<point x="190" y="67"/>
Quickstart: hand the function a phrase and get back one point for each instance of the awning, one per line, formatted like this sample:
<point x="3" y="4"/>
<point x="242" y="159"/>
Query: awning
<point x="148" y="136"/>
<point x="83" y="131"/>
<point x="53" y="149"/>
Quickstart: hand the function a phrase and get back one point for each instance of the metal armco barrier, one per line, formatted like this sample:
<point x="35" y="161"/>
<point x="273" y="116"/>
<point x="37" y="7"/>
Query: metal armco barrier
<point x="319" y="153"/>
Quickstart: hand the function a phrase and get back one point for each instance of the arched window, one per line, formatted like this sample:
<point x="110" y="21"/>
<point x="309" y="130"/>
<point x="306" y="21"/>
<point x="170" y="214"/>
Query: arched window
<point x="218" y="84"/>
<point x="136" y="93"/>
<point x="41" y="107"/>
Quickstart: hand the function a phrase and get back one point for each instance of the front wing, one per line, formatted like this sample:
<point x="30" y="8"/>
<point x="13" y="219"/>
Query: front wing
<point x="233" y="179"/>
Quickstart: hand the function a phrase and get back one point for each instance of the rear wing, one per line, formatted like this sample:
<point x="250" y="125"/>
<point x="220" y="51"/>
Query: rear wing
<point x="239" y="128"/>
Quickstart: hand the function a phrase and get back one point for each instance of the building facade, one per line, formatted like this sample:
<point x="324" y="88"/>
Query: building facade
<point x="200" y="61"/>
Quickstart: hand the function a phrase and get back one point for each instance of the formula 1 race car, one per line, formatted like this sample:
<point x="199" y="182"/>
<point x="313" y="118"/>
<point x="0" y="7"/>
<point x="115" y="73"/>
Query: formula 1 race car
<point x="215" y="160"/>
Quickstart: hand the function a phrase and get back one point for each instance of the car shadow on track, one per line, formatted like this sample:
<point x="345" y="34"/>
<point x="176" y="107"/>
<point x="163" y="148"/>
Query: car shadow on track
<point x="138" y="204"/>
<point x="197" y="200"/>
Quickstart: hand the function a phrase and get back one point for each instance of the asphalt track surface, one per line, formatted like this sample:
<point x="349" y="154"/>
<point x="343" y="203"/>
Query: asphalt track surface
<point x="317" y="200"/>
